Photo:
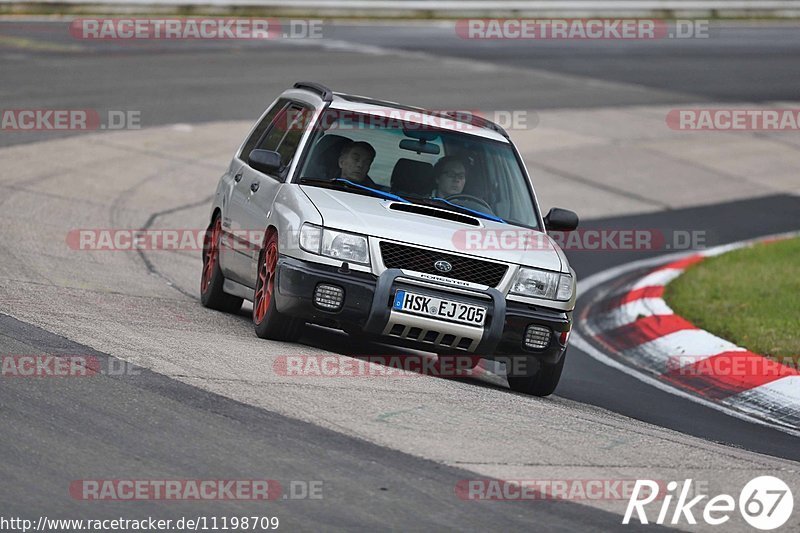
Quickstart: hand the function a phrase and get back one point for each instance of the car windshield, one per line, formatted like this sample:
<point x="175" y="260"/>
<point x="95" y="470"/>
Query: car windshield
<point x="421" y="163"/>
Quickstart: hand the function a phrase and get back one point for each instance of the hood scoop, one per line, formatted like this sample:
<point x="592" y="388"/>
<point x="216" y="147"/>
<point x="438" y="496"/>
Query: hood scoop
<point x="434" y="212"/>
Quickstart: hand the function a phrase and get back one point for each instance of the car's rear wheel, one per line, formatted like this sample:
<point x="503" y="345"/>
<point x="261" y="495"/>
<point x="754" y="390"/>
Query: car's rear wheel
<point x="212" y="280"/>
<point x="540" y="382"/>
<point x="268" y="321"/>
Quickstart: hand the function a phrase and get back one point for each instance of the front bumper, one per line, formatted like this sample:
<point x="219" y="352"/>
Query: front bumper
<point x="367" y="308"/>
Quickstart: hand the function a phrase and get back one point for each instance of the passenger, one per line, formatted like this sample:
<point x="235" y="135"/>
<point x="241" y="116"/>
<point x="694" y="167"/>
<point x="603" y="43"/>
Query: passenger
<point x="450" y="174"/>
<point x="354" y="162"/>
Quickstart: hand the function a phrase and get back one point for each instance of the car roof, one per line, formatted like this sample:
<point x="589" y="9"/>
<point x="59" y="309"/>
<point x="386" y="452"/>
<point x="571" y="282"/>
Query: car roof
<point x="454" y="120"/>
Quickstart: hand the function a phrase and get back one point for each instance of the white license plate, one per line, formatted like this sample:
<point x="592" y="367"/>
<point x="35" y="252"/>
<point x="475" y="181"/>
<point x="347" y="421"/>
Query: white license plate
<point x="419" y="304"/>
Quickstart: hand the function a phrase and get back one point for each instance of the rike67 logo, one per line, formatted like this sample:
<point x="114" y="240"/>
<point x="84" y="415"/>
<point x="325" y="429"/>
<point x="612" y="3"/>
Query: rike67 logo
<point x="765" y="503"/>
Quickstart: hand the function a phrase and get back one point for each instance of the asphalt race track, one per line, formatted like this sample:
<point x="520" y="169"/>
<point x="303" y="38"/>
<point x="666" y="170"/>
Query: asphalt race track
<point x="202" y="400"/>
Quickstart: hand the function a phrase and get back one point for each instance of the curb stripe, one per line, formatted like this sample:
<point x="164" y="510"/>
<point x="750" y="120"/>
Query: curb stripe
<point x="690" y="363"/>
<point x="652" y="291"/>
<point x="693" y="345"/>
<point x="661" y="276"/>
<point x="726" y="374"/>
<point x="683" y="264"/>
<point x="777" y="401"/>
<point x="638" y="325"/>
<point x="631" y="312"/>
<point x="612" y="302"/>
<point x="644" y="330"/>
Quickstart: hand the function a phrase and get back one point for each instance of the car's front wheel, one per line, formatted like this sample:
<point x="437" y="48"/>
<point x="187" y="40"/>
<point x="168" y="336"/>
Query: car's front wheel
<point x="212" y="280"/>
<point x="537" y="382"/>
<point x="268" y="321"/>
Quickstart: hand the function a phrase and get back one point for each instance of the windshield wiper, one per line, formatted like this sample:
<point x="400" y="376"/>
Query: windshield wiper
<point x="345" y="184"/>
<point x="467" y="210"/>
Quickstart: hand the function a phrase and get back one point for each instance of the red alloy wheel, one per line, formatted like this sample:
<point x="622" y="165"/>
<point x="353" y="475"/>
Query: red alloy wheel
<point x="210" y="254"/>
<point x="266" y="282"/>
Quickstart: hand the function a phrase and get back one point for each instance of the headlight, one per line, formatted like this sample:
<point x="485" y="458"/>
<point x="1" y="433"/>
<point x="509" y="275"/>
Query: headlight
<point x="347" y="247"/>
<point x="542" y="284"/>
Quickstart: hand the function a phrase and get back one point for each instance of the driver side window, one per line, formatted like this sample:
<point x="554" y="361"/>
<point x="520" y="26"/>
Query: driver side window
<point x="287" y="130"/>
<point x="263" y="126"/>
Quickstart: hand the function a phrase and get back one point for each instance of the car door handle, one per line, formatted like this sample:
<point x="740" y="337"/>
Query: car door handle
<point x="237" y="178"/>
<point x="254" y="186"/>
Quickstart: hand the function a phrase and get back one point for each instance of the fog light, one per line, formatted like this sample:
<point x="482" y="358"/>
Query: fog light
<point x="330" y="297"/>
<point x="537" y="337"/>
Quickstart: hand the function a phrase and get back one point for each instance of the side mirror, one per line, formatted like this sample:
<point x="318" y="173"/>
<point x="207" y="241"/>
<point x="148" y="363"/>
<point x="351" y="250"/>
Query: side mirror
<point x="558" y="219"/>
<point x="265" y="161"/>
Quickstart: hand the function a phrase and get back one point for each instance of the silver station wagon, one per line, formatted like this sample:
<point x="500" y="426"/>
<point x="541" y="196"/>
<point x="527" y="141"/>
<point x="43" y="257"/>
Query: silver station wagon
<point x="417" y="228"/>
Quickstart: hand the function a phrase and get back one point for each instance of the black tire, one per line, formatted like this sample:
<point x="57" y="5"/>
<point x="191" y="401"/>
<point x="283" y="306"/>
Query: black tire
<point x="211" y="279"/>
<point x="542" y="382"/>
<point x="268" y="322"/>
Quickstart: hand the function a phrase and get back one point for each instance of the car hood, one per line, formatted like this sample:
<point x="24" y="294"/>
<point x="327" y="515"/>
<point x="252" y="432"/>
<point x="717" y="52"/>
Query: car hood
<point x="491" y="240"/>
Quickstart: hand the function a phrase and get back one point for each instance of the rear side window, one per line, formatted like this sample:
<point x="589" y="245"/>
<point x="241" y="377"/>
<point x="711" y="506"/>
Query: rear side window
<point x="262" y="128"/>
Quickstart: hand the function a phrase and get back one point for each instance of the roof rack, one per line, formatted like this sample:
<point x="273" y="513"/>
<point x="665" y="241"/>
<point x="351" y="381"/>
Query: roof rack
<point x="324" y="92"/>
<point x="459" y="116"/>
<point x="385" y="103"/>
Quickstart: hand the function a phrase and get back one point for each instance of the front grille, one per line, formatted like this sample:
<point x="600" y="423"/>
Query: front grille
<point x="421" y="260"/>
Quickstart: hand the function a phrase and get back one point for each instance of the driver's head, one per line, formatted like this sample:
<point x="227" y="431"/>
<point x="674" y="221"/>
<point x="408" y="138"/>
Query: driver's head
<point x="355" y="160"/>
<point x="451" y="175"/>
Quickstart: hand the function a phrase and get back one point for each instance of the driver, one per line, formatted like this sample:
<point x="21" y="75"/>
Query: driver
<point x="354" y="162"/>
<point x="450" y="174"/>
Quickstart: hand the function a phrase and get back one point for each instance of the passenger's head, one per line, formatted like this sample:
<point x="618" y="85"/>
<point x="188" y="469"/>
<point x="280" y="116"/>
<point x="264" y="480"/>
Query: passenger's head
<point x="355" y="160"/>
<point x="451" y="174"/>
